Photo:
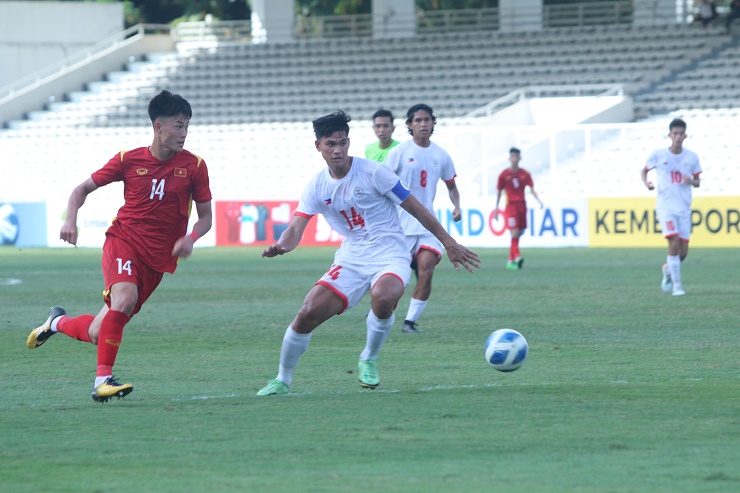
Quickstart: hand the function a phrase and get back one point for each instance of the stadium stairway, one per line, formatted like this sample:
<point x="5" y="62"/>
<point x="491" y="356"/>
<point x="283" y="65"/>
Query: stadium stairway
<point x="710" y="82"/>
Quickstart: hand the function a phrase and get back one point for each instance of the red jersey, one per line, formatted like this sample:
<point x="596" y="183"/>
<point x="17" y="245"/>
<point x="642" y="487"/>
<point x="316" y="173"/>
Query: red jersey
<point x="158" y="197"/>
<point x="514" y="182"/>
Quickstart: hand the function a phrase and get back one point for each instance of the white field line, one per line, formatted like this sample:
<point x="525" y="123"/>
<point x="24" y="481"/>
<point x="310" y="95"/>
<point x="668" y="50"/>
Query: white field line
<point x="434" y="388"/>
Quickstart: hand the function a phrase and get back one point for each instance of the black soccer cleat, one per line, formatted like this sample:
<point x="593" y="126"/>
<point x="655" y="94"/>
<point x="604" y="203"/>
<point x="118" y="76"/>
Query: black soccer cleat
<point x="111" y="388"/>
<point x="41" y="334"/>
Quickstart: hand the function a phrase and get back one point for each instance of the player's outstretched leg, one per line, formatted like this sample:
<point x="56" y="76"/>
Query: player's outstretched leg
<point x="41" y="334"/>
<point x="111" y="388"/>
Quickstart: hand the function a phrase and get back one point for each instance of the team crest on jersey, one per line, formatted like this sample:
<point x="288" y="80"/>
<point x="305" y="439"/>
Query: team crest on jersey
<point x="327" y="201"/>
<point x="141" y="171"/>
<point x="181" y="172"/>
<point x="411" y="160"/>
<point x="359" y="192"/>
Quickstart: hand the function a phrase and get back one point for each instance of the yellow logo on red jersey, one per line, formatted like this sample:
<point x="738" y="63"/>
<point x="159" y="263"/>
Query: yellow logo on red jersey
<point x="141" y="171"/>
<point x="181" y="172"/>
<point x="113" y="342"/>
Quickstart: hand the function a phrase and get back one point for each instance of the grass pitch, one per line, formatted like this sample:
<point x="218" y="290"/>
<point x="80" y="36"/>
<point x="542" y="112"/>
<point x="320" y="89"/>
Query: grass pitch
<point x="626" y="389"/>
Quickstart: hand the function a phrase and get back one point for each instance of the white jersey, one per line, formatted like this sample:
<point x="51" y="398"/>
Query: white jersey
<point x="674" y="195"/>
<point x="362" y="207"/>
<point x="420" y="169"/>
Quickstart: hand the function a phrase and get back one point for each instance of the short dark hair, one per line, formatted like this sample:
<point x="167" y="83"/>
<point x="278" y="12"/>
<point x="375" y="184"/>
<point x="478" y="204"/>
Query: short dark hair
<point x="420" y="107"/>
<point x="676" y="122"/>
<point x="382" y="112"/>
<point x="514" y="150"/>
<point x="168" y="104"/>
<point x="328" y="124"/>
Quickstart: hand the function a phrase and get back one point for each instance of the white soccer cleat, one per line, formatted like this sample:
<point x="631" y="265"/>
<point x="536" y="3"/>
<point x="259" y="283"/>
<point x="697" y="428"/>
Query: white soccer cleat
<point x="678" y="292"/>
<point x="667" y="282"/>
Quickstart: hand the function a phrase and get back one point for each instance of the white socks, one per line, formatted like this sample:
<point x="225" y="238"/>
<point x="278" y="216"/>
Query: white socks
<point x="99" y="380"/>
<point x="674" y="267"/>
<point x="416" y="308"/>
<point x="294" y="345"/>
<point x="377" y="333"/>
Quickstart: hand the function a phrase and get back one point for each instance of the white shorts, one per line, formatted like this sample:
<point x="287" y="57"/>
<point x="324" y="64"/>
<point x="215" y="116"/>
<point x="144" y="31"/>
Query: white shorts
<point x="350" y="281"/>
<point x="416" y="243"/>
<point x="675" y="225"/>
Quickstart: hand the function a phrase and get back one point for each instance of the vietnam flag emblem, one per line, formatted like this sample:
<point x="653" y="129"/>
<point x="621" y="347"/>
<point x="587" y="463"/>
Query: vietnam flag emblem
<point x="181" y="172"/>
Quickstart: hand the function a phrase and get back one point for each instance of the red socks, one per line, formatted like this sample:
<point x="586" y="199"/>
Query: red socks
<point x="109" y="339"/>
<point x="514" y="250"/>
<point x="76" y="327"/>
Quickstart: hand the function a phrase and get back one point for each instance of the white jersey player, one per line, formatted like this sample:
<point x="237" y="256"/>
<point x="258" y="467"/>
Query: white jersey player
<point x="420" y="163"/>
<point x="678" y="171"/>
<point x="358" y="207"/>
<point x="358" y="198"/>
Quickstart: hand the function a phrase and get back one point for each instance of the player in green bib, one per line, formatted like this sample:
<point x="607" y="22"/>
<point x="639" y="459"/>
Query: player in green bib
<point x="383" y="127"/>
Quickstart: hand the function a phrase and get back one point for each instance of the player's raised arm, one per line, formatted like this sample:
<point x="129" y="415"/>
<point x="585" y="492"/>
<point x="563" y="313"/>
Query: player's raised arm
<point x="290" y="238"/>
<point x="457" y="253"/>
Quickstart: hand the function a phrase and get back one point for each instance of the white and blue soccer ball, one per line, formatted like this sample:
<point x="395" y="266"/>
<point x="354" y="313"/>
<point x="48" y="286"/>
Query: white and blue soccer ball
<point x="8" y="225"/>
<point x="506" y="350"/>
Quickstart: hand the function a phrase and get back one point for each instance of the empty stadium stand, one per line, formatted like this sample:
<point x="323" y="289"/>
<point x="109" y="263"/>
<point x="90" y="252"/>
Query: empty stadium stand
<point x="709" y="83"/>
<point x="252" y="104"/>
<point x="456" y="73"/>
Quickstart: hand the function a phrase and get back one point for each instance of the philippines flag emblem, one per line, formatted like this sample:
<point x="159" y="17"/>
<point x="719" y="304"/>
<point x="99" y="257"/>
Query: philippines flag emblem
<point x="411" y="160"/>
<point x="328" y="201"/>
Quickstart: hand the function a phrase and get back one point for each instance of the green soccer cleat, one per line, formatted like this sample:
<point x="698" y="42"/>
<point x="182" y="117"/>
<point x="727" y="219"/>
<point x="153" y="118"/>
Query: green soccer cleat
<point x="111" y="388"/>
<point x="274" y="387"/>
<point x="369" y="378"/>
<point x="512" y="265"/>
<point x="41" y="334"/>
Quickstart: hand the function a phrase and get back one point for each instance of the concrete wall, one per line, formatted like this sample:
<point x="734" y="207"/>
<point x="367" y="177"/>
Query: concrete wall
<point x="75" y="78"/>
<point x="272" y="21"/>
<point x="394" y="18"/>
<point x="36" y="34"/>
<point x="520" y="15"/>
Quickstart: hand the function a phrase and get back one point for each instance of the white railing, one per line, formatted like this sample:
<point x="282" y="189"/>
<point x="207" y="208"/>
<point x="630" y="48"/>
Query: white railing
<point x="334" y="26"/>
<point x="223" y="31"/>
<point x="568" y="91"/>
<point x="448" y="21"/>
<point x="587" y="14"/>
<point x="80" y="58"/>
<point x="466" y="20"/>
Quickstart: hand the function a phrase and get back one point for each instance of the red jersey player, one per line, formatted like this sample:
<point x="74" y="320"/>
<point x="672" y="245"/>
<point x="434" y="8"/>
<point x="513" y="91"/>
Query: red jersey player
<point x="146" y="238"/>
<point x="514" y="180"/>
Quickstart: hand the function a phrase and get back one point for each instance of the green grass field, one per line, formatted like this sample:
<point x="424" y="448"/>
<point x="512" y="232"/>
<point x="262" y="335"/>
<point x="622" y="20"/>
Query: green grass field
<point x="626" y="389"/>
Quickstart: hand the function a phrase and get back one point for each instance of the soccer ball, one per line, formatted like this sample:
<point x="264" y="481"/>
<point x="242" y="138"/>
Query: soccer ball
<point x="8" y="225"/>
<point x="506" y="350"/>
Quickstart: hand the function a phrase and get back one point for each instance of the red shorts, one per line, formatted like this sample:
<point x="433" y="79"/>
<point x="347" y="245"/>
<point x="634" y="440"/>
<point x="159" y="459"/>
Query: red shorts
<point x="516" y="215"/>
<point x="121" y="264"/>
